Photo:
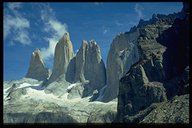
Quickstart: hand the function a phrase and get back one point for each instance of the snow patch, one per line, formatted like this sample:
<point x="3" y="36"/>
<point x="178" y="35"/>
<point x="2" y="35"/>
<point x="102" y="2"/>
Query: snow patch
<point x="24" y="85"/>
<point x="72" y="85"/>
<point x="121" y="51"/>
<point x="40" y="95"/>
<point x="5" y="93"/>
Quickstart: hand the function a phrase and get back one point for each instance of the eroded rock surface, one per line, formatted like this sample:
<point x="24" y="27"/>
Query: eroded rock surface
<point x="122" y="54"/>
<point x="39" y="106"/>
<point x="173" y="111"/>
<point x="63" y="55"/>
<point x="87" y="67"/>
<point x="136" y="92"/>
<point x="155" y="78"/>
<point x="37" y="68"/>
<point x="151" y="84"/>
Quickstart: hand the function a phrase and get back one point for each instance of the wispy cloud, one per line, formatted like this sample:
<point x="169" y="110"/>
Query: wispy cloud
<point x="138" y="9"/>
<point x="118" y="23"/>
<point x="105" y="31"/>
<point x="14" y="5"/>
<point x="22" y="37"/>
<point x="15" y="26"/>
<point x="53" y="27"/>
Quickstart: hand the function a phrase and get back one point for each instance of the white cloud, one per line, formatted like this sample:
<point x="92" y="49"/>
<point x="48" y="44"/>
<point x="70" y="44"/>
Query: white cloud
<point x="15" y="26"/>
<point x="57" y="27"/>
<point x="46" y="12"/>
<point x="54" y="27"/>
<point x="14" y="5"/>
<point x="138" y="9"/>
<point x="22" y="37"/>
<point x="48" y="53"/>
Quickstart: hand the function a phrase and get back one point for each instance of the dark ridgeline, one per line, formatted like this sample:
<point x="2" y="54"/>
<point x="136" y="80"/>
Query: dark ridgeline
<point x="160" y="75"/>
<point x="146" y="68"/>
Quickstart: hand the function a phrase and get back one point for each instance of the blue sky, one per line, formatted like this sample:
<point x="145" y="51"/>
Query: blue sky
<point x="27" y="26"/>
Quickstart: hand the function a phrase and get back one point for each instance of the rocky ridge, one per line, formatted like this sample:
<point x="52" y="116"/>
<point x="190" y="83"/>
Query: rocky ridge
<point x="122" y="54"/>
<point x="38" y="106"/>
<point x="63" y="55"/>
<point x="175" y="110"/>
<point x="37" y="68"/>
<point x="141" y="73"/>
<point x="151" y="79"/>
<point x="128" y="48"/>
<point x="87" y="67"/>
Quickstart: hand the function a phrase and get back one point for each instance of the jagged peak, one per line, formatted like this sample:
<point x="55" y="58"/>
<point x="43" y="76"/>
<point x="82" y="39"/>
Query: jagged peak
<point x="65" y="38"/>
<point x="37" y="52"/>
<point x="37" y="69"/>
<point x="158" y="19"/>
<point x="37" y="55"/>
<point x="93" y="41"/>
<point x="84" y="42"/>
<point x="92" y="45"/>
<point x="89" y="43"/>
<point x="65" y="41"/>
<point x="66" y="35"/>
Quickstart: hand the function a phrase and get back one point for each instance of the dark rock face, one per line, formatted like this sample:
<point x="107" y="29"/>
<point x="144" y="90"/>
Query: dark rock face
<point x="176" y="57"/>
<point x="147" y="70"/>
<point x="176" y="39"/>
<point x="162" y="71"/>
<point x="49" y="117"/>
<point x="71" y="70"/>
<point x="37" y="68"/>
<point x="173" y="111"/>
<point x="136" y="93"/>
<point x="140" y="42"/>
<point x="178" y="85"/>
<point x="140" y="115"/>
<point x="42" y="117"/>
<point x="101" y="116"/>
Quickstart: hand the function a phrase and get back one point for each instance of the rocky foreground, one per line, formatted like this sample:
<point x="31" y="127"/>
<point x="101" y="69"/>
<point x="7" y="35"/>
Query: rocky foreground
<point x="29" y="102"/>
<point x="146" y="79"/>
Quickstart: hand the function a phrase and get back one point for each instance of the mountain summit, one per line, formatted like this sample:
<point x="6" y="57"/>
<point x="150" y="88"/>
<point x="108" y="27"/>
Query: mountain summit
<point x="63" y="55"/>
<point x="37" y="68"/>
<point x="88" y="67"/>
<point x="146" y="79"/>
